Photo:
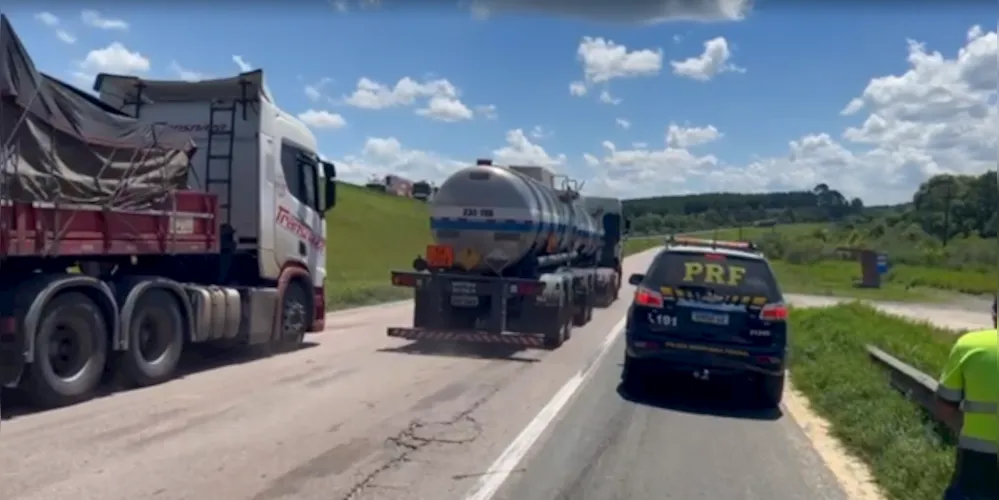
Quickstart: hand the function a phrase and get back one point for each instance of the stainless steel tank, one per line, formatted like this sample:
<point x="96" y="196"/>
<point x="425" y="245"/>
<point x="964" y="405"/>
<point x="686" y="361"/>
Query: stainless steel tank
<point x="493" y="216"/>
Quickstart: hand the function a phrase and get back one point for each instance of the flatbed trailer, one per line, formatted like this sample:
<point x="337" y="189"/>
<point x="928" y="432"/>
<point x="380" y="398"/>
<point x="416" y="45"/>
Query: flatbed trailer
<point x="124" y="241"/>
<point x="185" y="223"/>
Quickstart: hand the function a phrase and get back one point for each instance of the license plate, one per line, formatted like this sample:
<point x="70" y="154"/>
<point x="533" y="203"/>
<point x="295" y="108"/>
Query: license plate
<point x="464" y="300"/>
<point x="463" y="287"/>
<point x="709" y="318"/>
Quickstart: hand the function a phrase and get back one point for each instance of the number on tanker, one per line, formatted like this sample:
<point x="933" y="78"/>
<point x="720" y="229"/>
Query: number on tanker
<point x="476" y="212"/>
<point x="440" y="256"/>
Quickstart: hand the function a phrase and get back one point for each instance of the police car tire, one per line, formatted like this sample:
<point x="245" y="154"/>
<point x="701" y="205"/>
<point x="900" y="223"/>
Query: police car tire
<point x="771" y="391"/>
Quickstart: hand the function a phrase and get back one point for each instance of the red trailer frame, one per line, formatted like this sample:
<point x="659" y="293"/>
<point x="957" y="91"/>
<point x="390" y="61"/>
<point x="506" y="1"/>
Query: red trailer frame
<point x="185" y="223"/>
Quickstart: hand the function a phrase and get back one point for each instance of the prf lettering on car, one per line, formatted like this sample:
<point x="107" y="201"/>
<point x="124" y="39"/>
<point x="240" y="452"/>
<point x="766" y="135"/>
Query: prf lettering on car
<point x="718" y="274"/>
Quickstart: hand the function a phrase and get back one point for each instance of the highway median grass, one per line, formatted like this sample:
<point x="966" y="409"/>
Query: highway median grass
<point x="829" y="364"/>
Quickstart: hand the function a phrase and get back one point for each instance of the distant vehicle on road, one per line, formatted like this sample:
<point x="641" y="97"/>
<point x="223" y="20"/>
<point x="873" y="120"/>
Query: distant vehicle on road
<point x="709" y="308"/>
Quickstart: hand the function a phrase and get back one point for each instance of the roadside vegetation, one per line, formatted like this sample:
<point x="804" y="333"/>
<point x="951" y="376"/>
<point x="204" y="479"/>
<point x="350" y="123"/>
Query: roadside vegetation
<point x="370" y="233"/>
<point x="941" y="243"/>
<point x="909" y="457"/>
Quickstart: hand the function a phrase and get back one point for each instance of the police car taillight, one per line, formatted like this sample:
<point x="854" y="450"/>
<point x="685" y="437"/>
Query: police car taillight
<point x="648" y="298"/>
<point x="774" y="312"/>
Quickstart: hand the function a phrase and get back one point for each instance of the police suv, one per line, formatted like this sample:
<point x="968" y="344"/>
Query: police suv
<point x="708" y="308"/>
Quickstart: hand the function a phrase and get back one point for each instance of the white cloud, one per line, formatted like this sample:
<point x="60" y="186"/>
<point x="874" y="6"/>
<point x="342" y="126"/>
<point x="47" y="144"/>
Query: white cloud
<point x="340" y="6"/>
<point x="47" y="18"/>
<point x="322" y="119"/>
<point x="519" y="150"/>
<point x="243" y="65"/>
<point x="539" y="132"/>
<point x="644" y="12"/>
<point x="487" y="111"/>
<point x="65" y="36"/>
<point x="625" y="124"/>
<point x="370" y="94"/>
<point x="577" y="89"/>
<point x="187" y="74"/>
<point x="52" y="21"/>
<point x="381" y="156"/>
<point x="446" y="109"/>
<point x="938" y="116"/>
<point x="713" y="61"/>
<point x="603" y="60"/>
<point x="114" y="58"/>
<point x="639" y="145"/>
<point x="590" y="160"/>
<point x="94" y="19"/>
<point x="686" y="137"/>
<point x="607" y="98"/>
<point x="442" y="99"/>
<point x="314" y="91"/>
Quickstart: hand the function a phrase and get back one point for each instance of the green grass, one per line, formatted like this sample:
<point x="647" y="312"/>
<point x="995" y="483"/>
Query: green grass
<point x="756" y="233"/>
<point x="836" y="277"/>
<point x="370" y="233"/>
<point x="907" y="457"/>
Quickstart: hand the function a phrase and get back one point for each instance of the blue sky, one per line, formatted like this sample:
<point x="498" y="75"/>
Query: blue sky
<point x="789" y="74"/>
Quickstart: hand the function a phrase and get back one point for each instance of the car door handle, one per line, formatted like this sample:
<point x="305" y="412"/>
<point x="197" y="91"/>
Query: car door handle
<point x="301" y="249"/>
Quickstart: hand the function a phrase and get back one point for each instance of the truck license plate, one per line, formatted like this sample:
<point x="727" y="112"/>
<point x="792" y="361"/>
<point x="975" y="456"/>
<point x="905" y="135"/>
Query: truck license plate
<point x="709" y="318"/>
<point x="464" y="300"/>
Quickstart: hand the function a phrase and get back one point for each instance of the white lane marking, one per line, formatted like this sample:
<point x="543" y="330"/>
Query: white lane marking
<point x="500" y="470"/>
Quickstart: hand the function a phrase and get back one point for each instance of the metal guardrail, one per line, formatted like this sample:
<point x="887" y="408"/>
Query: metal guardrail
<point x="912" y="383"/>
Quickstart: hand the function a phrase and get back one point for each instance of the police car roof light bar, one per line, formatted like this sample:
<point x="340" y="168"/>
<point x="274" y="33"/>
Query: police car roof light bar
<point x="737" y="245"/>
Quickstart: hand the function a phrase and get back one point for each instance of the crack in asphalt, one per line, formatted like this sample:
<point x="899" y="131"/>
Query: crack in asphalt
<point x="416" y="437"/>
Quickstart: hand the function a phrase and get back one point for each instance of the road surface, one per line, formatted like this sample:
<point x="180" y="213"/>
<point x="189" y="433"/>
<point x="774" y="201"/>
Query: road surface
<point x="358" y="415"/>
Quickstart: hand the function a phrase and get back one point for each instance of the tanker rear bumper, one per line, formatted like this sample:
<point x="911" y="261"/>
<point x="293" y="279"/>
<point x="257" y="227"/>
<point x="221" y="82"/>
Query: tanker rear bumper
<point x="524" y="340"/>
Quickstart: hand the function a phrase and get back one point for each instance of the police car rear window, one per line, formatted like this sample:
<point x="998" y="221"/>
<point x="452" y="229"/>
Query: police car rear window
<point x="716" y="272"/>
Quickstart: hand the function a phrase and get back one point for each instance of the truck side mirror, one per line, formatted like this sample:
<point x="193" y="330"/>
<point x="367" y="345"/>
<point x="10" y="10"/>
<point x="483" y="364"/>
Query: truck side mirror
<point x="329" y="185"/>
<point x="627" y="225"/>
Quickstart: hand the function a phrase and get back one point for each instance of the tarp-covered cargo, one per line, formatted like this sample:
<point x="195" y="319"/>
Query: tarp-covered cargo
<point x="63" y="145"/>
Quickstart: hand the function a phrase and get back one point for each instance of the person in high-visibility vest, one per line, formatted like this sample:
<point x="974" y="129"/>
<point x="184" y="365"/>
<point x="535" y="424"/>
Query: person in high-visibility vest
<point x="969" y="388"/>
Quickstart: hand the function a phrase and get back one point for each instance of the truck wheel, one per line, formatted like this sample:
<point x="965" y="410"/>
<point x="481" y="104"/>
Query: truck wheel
<point x="155" y="339"/>
<point x="579" y="313"/>
<point x="71" y="349"/>
<point x="771" y="391"/>
<point x="560" y="331"/>
<point x="296" y="316"/>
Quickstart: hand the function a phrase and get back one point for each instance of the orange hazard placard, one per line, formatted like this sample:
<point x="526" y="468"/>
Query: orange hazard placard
<point x="440" y="256"/>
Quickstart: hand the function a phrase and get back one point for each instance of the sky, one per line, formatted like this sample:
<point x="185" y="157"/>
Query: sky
<point x="662" y="97"/>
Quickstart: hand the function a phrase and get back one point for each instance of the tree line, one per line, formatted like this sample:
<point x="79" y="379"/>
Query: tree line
<point x="945" y="206"/>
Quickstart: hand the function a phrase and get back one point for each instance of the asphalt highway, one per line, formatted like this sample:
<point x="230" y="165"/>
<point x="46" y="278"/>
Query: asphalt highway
<point x="357" y="415"/>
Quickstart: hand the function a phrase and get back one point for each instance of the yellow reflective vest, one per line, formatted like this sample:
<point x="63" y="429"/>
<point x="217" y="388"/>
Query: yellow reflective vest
<point x="971" y="379"/>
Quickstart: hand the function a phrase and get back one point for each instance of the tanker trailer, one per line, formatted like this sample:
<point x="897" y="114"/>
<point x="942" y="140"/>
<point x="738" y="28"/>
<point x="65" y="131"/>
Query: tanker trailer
<point x="515" y="260"/>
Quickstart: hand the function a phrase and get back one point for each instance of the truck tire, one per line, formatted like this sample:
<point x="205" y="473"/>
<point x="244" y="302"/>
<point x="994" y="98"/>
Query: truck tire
<point x="155" y="339"/>
<point x="580" y="312"/>
<point x="296" y="316"/>
<point x="561" y="330"/>
<point x="71" y="350"/>
<point x="770" y="391"/>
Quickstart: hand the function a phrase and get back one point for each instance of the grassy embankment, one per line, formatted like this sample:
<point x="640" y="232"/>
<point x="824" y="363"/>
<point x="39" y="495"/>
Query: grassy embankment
<point x="368" y="234"/>
<point x="909" y="457"/>
<point x="801" y="258"/>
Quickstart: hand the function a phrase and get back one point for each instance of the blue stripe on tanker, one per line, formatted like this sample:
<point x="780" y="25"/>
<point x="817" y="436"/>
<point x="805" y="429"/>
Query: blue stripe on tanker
<point x="494" y="225"/>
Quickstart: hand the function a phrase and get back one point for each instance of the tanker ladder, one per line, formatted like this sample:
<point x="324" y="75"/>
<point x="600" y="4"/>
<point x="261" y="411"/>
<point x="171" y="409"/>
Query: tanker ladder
<point x="452" y="306"/>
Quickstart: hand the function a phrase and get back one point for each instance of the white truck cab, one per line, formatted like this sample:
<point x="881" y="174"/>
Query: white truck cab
<point x="261" y="161"/>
